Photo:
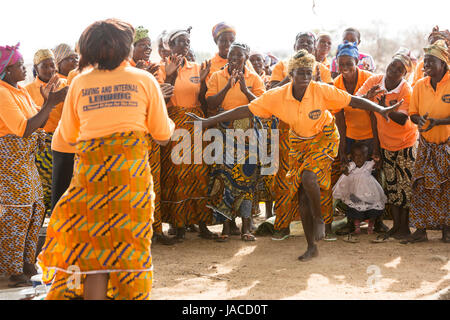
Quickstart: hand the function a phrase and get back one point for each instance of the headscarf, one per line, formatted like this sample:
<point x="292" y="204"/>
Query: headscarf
<point x="302" y="59"/>
<point x="440" y="35"/>
<point x="438" y="49"/>
<point x="242" y="46"/>
<point x="8" y="56"/>
<point x="62" y="51"/>
<point x="41" y="55"/>
<point x="348" y="49"/>
<point x="404" y="55"/>
<point x="176" y="33"/>
<point x="220" y="28"/>
<point x="140" y="33"/>
<point x="307" y="33"/>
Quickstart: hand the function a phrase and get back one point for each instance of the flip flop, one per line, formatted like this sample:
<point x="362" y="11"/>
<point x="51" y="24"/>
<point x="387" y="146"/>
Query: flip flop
<point x="248" y="237"/>
<point x="208" y="236"/>
<point x="351" y="239"/>
<point x="222" y="238"/>
<point x="381" y="238"/>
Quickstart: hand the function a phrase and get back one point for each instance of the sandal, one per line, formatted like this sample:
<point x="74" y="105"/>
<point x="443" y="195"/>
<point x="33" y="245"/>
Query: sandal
<point x="222" y="238"/>
<point x="382" y="238"/>
<point x="248" y="237"/>
<point x="208" y="235"/>
<point x="351" y="239"/>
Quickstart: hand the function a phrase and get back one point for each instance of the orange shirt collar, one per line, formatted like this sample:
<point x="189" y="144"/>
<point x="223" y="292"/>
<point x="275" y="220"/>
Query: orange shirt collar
<point x="444" y="79"/>
<point x="227" y="74"/>
<point x="19" y="88"/>
<point x="290" y="96"/>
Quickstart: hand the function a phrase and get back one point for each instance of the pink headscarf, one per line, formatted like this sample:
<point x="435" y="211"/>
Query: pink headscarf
<point x="8" y="56"/>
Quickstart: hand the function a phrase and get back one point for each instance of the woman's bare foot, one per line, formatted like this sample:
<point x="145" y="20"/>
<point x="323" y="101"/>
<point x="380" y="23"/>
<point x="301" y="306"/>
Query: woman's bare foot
<point x="310" y="253"/>
<point x="419" y="236"/>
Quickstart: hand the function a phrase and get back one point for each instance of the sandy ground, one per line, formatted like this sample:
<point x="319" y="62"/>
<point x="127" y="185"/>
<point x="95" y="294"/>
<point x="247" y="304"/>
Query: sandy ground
<point x="267" y="269"/>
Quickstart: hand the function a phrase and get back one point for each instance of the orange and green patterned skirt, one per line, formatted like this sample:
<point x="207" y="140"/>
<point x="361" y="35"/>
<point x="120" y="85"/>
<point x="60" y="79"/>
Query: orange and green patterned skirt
<point x="103" y="222"/>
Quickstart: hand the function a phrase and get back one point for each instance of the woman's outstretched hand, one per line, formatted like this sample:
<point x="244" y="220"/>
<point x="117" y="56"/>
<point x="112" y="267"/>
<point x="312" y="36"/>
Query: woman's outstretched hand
<point x="206" y="123"/>
<point x="386" y="111"/>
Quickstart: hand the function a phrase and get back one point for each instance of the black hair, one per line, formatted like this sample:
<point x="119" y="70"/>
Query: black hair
<point x="353" y="30"/>
<point x="106" y="44"/>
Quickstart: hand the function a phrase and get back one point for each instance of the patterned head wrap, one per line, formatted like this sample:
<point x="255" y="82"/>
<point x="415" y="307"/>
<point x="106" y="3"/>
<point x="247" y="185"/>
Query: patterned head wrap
<point x="348" y="49"/>
<point x="62" y="51"/>
<point x="140" y="33"/>
<point x="41" y="55"/>
<point x="438" y="49"/>
<point x="439" y="35"/>
<point x="220" y="28"/>
<point x="8" y="57"/>
<point x="302" y="59"/>
<point x="242" y="46"/>
<point x="405" y="57"/>
<point x="307" y="33"/>
<point x="178" y="32"/>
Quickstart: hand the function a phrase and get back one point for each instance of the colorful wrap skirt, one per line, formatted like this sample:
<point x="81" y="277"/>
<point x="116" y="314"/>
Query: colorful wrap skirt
<point x="103" y="222"/>
<point x="235" y="180"/>
<point x="155" y="165"/>
<point x="397" y="169"/>
<point x="21" y="207"/>
<point x="44" y="163"/>
<point x="430" y="198"/>
<point x="284" y="207"/>
<point x="315" y="155"/>
<point x="184" y="186"/>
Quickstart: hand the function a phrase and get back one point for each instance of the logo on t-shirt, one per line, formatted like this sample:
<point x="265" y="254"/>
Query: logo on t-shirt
<point x="446" y="98"/>
<point x="195" y="79"/>
<point x="315" y="114"/>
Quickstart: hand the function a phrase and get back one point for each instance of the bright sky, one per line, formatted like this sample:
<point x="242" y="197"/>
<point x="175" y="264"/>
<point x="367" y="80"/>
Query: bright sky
<point x="264" y="25"/>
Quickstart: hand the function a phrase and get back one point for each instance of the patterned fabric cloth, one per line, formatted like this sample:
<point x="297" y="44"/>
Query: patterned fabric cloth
<point x="44" y="160"/>
<point x="183" y="186"/>
<point x="235" y="180"/>
<point x="283" y="209"/>
<point x="316" y="155"/>
<point x="430" y="198"/>
<point x="155" y="165"/>
<point x="397" y="169"/>
<point x="103" y="222"/>
<point x="21" y="207"/>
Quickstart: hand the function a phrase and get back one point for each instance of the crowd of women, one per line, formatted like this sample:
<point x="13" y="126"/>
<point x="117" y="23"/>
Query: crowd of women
<point x="90" y="142"/>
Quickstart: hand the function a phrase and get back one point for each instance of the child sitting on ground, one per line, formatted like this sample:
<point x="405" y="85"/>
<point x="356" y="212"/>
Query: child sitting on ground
<point x="359" y="190"/>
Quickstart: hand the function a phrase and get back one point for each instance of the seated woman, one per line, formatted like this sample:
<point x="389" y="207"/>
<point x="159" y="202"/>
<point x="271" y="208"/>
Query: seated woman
<point x="232" y="186"/>
<point x="429" y="109"/>
<point x="21" y="205"/>
<point x="66" y="59"/>
<point x="102" y="225"/>
<point x="394" y="140"/>
<point x="45" y="70"/>
<point x="313" y="135"/>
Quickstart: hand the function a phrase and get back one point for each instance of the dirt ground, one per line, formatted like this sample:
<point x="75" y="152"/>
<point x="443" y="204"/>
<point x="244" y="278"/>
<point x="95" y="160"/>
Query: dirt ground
<point x="266" y="269"/>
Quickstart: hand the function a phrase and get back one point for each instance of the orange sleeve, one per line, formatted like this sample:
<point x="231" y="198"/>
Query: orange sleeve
<point x="260" y="107"/>
<point x="213" y="85"/>
<point x="161" y="75"/>
<point x="414" y="102"/>
<point x="278" y="72"/>
<point x="258" y="87"/>
<point x="12" y="115"/>
<point x="366" y="86"/>
<point x="334" y="98"/>
<point x="325" y="74"/>
<point x="70" y="122"/>
<point x="159" y="125"/>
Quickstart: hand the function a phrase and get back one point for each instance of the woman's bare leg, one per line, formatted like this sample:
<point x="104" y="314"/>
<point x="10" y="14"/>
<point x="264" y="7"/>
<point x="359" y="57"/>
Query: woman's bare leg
<point x="308" y="226"/>
<point x="95" y="286"/>
<point x="312" y="190"/>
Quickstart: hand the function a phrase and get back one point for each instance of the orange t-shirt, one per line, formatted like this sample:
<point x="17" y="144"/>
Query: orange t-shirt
<point x="280" y="71"/>
<point x="187" y="85"/>
<point x="61" y="76"/>
<point x="33" y="89"/>
<point x="72" y="74"/>
<point x="393" y="136"/>
<point x="100" y="103"/>
<point x="308" y="117"/>
<point x="359" y="126"/>
<point x="17" y="107"/>
<point x="436" y="103"/>
<point x="418" y="73"/>
<point x="217" y="63"/>
<point x="234" y="97"/>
